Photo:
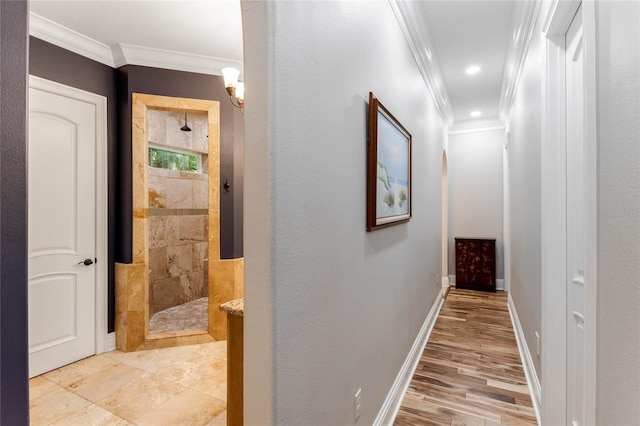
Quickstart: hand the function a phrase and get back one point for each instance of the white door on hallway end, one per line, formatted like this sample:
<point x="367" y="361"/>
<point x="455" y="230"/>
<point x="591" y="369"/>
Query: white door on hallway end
<point x="62" y="230"/>
<point x="577" y="234"/>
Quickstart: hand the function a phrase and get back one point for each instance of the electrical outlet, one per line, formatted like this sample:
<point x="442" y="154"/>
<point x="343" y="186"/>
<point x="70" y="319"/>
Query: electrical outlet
<point x="438" y="282"/>
<point x="357" y="401"/>
<point x="537" y="343"/>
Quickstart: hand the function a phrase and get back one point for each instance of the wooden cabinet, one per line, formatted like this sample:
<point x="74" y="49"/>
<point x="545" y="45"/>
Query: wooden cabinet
<point x="476" y="263"/>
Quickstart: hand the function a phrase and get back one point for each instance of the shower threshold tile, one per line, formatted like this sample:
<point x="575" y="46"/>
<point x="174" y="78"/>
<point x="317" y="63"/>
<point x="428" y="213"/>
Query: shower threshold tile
<point x="192" y="315"/>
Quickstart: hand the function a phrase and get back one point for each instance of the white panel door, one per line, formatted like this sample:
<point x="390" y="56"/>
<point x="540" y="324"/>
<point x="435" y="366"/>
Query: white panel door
<point x="576" y="223"/>
<point x="62" y="232"/>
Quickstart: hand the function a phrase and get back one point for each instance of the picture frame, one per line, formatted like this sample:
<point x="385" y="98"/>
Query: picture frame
<point x="388" y="169"/>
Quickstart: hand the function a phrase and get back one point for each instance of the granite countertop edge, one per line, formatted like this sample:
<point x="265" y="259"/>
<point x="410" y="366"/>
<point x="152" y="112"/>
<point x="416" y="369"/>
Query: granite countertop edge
<point x="234" y="307"/>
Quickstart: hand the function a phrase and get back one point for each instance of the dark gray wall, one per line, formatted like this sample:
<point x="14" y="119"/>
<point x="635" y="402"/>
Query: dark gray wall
<point x="62" y="66"/>
<point x="14" y="366"/>
<point x="156" y="81"/>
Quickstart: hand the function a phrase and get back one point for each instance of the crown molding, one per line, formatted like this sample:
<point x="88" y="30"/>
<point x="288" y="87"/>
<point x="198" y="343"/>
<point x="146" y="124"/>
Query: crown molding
<point x="172" y="60"/>
<point x="419" y="40"/>
<point x="125" y="54"/>
<point x="68" y="39"/>
<point x="469" y="126"/>
<point x="523" y="25"/>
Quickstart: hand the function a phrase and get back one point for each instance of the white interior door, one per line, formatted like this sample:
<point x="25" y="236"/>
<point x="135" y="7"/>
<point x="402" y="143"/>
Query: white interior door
<point x="62" y="230"/>
<point x="576" y="223"/>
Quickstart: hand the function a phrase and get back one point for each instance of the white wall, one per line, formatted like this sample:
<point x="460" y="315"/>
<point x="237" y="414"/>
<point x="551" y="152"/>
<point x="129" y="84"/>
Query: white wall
<point x="330" y="308"/>
<point x="524" y="157"/>
<point x="618" y="113"/>
<point x="475" y="190"/>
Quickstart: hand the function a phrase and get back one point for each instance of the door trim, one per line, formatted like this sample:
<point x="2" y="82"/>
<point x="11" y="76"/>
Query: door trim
<point x="554" y="212"/>
<point x="102" y="339"/>
<point x="506" y="210"/>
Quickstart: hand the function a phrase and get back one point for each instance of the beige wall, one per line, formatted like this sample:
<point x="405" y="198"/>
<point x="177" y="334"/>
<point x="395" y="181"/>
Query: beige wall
<point x="475" y="190"/>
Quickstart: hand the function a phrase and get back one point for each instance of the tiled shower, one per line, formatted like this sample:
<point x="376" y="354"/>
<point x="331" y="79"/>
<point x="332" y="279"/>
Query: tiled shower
<point x="178" y="220"/>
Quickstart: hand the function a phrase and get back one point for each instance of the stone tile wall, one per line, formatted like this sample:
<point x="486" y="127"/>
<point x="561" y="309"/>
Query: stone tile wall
<point x="164" y="129"/>
<point x="178" y="209"/>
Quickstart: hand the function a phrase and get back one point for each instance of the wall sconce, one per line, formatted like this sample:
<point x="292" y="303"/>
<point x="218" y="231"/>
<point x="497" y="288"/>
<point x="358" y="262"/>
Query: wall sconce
<point x="235" y="88"/>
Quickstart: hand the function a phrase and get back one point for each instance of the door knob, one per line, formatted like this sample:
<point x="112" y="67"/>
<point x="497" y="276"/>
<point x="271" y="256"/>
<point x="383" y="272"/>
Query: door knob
<point x="86" y="262"/>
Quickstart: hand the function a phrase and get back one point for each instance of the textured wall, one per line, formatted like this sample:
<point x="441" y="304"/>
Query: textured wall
<point x="524" y="124"/>
<point x="330" y="308"/>
<point x="475" y="190"/>
<point x="618" y="113"/>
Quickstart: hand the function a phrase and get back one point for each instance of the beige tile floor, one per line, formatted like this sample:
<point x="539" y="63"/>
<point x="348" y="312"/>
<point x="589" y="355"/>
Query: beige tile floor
<point x="192" y="315"/>
<point x="185" y="385"/>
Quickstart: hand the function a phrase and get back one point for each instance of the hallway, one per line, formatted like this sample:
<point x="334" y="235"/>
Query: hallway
<point x="470" y="371"/>
<point x="183" y="385"/>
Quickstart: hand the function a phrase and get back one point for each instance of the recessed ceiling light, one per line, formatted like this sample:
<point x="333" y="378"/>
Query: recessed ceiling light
<point x="472" y="70"/>
<point x="475" y="114"/>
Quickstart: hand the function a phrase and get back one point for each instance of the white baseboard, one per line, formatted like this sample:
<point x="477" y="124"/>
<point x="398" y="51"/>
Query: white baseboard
<point x="527" y="362"/>
<point x="110" y="342"/>
<point x="452" y="280"/>
<point x="500" y="285"/>
<point x="392" y="403"/>
<point x="445" y="281"/>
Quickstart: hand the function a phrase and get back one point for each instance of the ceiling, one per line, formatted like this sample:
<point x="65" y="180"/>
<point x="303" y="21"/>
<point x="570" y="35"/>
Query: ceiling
<point x="203" y="36"/>
<point x="446" y="37"/>
<point x="470" y="33"/>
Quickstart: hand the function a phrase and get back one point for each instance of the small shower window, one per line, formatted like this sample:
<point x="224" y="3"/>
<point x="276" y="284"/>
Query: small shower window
<point x="172" y="160"/>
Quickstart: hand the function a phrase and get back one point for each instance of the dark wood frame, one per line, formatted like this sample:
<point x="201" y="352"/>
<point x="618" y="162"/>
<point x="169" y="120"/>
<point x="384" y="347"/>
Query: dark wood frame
<point x="375" y="109"/>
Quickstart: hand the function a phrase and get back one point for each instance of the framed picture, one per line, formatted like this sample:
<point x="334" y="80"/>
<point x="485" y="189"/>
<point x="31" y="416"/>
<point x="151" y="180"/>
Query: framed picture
<point x="388" y="169"/>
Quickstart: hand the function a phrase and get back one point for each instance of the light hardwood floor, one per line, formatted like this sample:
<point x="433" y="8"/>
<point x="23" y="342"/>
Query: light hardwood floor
<point x="470" y="372"/>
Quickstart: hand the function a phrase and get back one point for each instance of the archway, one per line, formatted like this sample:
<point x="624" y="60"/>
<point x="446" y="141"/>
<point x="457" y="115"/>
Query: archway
<point x="445" y="221"/>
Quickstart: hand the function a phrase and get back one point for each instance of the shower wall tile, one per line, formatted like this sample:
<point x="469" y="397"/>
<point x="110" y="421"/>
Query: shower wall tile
<point x="179" y="260"/>
<point x="140" y="237"/>
<point x="156" y="126"/>
<point x="200" y="198"/>
<point x="173" y="135"/>
<point x="157" y="231"/>
<point x="192" y="176"/>
<point x="200" y="141"/>
<point x="172" y="230"/>
<point x="154" y="171"/>
<point x="200" y="256"/>
<point x="193" y="228"/>
<point x="130" y="319"/>
<point x="158" y="264"/>
<point x="198" y="281"/>
<point x="136" y="297"/>
<point x="164" y="129"/>
<point x="179" y="194"/>
<point x="191" y="284"/>
<point x="166" y="293"/>
<point x="157" y="191"/>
